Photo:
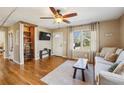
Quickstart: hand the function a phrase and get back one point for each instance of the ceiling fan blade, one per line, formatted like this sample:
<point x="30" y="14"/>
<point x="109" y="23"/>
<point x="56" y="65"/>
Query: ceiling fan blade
<point x="53" y="10"/>
<point x="46" y="18"/>
<point x="66" y="21"/>
<point x="70" y="15"/>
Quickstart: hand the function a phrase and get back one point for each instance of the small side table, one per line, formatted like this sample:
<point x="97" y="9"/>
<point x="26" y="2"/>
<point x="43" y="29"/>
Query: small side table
<point x="48" y="52"/>
<point x="81" y="64"/>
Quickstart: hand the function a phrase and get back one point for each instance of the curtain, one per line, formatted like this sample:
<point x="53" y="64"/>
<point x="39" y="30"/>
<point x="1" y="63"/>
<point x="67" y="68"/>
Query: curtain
<point x="97" y="37"/>
<point x="69" y="42"/>
<point x="82" y="52"/>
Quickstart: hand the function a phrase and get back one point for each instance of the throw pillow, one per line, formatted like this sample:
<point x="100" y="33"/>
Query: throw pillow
<point x="118" y="51"/>
<point x="111" y="57"/>
<point x="120" y="69"/>
<point x="105" y="50"/>
<point x="120" y="57"/>
<point x="114" y="66"/>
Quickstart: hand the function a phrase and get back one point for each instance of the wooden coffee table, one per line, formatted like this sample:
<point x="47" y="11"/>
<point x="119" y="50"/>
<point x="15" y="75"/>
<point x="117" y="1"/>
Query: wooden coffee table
<point x="81" y="64"/>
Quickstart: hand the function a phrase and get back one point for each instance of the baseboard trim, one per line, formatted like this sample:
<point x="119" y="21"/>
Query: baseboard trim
<point x="36" y="58"/>
<point x="17" y="62"/>
<point x="6" y="57"/>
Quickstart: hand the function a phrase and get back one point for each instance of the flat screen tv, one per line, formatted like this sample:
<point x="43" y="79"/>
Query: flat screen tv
<point x="44" y="36"/>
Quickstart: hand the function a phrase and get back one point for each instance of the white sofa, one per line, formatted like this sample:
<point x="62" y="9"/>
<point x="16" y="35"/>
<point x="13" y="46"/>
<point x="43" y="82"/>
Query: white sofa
<point x="103" y="76"/>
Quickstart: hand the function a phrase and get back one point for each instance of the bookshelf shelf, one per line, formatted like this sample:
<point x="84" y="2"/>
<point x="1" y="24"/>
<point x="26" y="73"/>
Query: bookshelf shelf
<point x="28" y="42"/>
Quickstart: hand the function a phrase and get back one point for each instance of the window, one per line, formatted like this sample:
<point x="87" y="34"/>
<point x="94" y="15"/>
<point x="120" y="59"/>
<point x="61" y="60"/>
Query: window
<point x="77" y="40"/>
<point x="81" y="40"/>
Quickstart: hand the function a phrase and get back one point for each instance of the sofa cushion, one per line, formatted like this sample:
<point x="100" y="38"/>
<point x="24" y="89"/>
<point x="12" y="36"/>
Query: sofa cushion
<point x="120" y="69"/>
<point x="101" y="67"/>
<point x="111" y="57"/>
<point x="120" y="57"/>
<point x="108" y="78"/>
<point x="118" y="51"/>
<point x="105" y="50"/>
<point x="102" y="60"/>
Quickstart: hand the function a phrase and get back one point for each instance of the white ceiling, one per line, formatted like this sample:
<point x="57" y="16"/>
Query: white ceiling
<point x="85" y="15"/>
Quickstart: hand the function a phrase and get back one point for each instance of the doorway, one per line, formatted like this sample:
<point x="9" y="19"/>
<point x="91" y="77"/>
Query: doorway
<point x="2" y="43"/>
<point x="58" y="43"/>
<point x="28" y="42"/>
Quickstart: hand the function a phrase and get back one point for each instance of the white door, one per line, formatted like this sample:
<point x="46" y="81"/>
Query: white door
<point x="58" y="43"/>
<point x="10" y="46"/>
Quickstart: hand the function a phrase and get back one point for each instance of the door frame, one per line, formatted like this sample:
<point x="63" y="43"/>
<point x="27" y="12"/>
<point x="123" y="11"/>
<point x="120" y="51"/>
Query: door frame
<point x="4" y="46"/>
<point x="62" y="44"/>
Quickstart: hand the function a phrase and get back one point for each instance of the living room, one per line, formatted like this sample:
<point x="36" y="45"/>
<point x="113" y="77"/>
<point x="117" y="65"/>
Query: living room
<point x="64" y="44"/>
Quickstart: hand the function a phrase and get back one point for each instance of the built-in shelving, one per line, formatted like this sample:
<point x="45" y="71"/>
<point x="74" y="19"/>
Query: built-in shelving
<point x="28" y="42"/>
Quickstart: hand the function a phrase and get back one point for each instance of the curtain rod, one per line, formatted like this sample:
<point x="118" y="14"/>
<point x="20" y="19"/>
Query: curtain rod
<point x="77" y="25"/>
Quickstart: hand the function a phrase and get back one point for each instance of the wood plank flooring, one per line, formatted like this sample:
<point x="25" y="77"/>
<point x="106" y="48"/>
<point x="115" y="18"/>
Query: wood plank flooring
<point x="28" y="74"/>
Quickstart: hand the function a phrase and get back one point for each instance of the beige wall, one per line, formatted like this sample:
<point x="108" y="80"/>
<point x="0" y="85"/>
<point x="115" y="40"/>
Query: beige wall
<point x="3" y="28"/>
<point x="111" y="28"/>
<point x="41" y="44"/>
<point x="15" y="29"/>
<point x="110" y="33"/>
<point x="122" y="31"/>
<point x="114" y="28"/>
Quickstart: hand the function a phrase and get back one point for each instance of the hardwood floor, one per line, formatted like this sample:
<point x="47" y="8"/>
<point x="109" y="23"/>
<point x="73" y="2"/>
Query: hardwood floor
<point x="29" y="73"/>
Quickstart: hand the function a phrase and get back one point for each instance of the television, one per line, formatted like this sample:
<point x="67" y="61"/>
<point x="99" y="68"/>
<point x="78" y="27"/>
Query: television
<point x="44" y="36"/>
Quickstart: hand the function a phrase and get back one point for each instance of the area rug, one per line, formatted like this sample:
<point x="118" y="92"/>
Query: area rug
<point x="63" y="75"/>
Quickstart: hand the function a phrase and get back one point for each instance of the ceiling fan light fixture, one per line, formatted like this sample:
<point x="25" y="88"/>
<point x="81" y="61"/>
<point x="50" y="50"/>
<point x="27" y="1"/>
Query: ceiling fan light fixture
<point x="58" y="20"/>
<point x="58" y="17"/>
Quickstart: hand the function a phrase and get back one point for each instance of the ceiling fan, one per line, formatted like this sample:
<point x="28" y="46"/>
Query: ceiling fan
<point x="58" y="16"/>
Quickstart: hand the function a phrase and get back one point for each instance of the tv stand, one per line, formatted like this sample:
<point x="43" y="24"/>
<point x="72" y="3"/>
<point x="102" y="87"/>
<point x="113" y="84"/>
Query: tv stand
<point x="47" y="52"/>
